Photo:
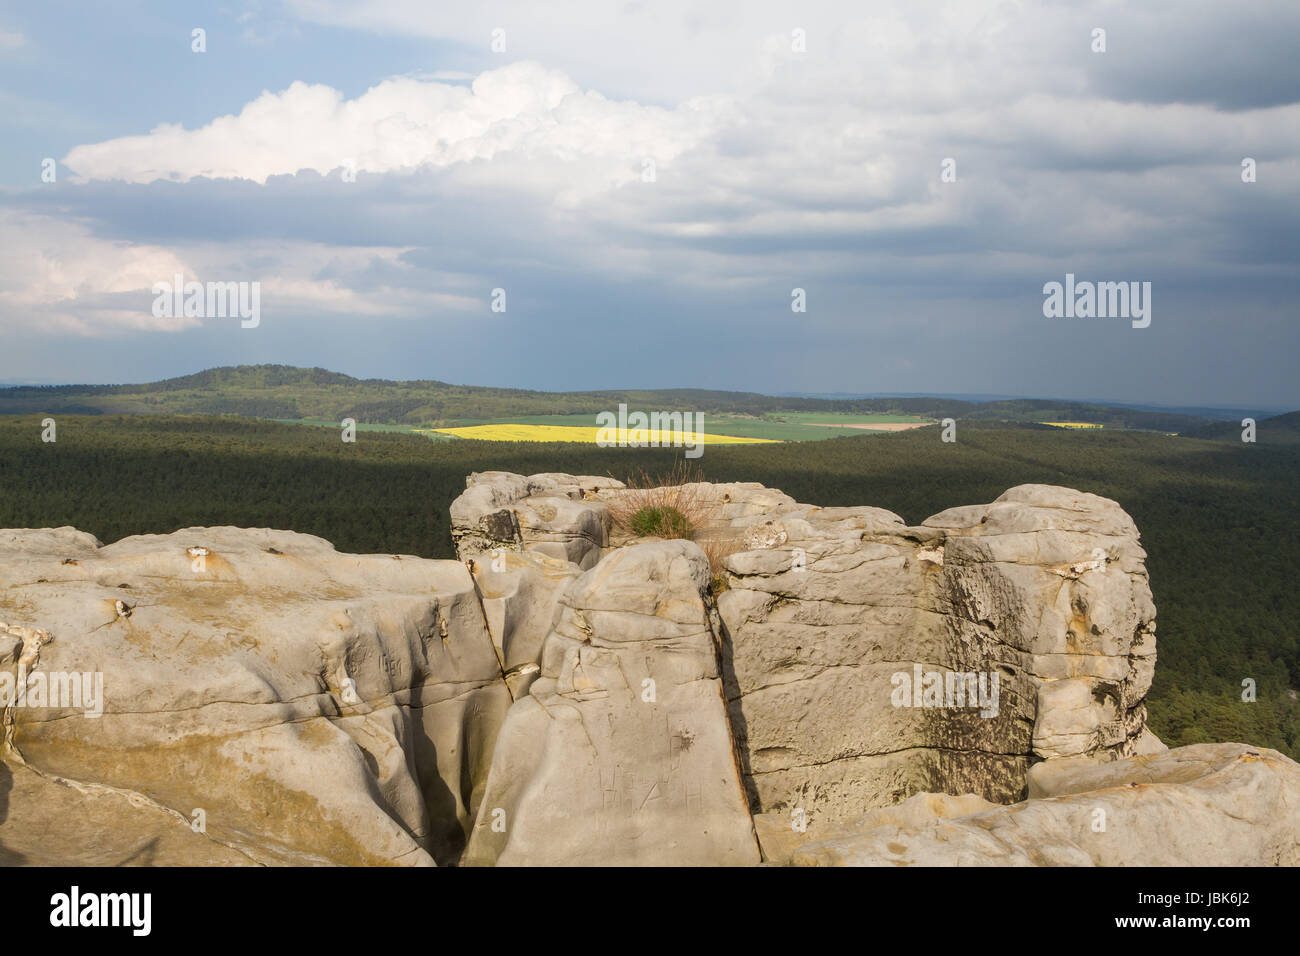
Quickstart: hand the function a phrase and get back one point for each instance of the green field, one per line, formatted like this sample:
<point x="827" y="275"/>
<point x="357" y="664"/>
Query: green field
<point x="774" y="427"/>
<point x="848" y="418"/>
<point x="783" y="427"/>
<point x="1219" y="518"/>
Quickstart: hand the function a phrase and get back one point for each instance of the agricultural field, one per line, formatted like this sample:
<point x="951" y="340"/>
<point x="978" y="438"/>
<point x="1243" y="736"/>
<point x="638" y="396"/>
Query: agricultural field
<point x="817" y="426"/>
<point x="590" y="434"/>
<point x="720" y="429"/>
<point x="847" y="419"/>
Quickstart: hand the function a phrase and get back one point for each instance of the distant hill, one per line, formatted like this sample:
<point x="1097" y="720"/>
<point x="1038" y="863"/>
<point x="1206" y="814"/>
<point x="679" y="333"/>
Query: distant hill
<point x="286" y="392"/>
<point x="1216" y="412"/>
<point x="1278" y="430"/>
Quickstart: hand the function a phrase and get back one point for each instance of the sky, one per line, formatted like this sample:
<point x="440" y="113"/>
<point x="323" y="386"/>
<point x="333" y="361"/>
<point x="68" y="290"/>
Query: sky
<point x="640" y="189"/>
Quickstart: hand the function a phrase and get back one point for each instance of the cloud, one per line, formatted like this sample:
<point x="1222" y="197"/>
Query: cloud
<point x="774" y="166"/>
<point x="58" y="278"/>
<point x="403" y="123"/>
<point x="739" y="185"/>
<point x="907" y="52"/>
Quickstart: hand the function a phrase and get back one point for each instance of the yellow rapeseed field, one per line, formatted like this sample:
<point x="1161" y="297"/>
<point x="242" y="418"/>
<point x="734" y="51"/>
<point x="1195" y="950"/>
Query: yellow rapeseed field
<point x="1072" y="424"/>
<point x="582" y="433"/>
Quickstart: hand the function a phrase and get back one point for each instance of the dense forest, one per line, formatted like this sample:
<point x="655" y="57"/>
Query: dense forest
<point x="1278" y="430"/>
<point x="1219" y="519"/>
<point x="284" y="392"/>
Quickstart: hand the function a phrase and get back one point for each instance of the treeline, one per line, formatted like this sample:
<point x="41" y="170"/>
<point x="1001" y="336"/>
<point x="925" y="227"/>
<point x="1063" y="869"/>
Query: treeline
<point x="1278" y="430"/>
<point x="1107" y="415"/>
<point x="1218" y="519"/>
<point x="285" y="392"/>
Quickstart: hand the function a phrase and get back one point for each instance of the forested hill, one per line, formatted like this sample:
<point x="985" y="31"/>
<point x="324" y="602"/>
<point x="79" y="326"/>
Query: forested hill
<point x="285" y="392"/>
<point x="1279" y="430"/>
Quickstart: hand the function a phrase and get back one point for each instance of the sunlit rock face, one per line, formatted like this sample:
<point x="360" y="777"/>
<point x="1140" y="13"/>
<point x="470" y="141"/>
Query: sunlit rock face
<point x="570" y="692"/>
<point x="1204" y="805"/>
<point x="309" y="706"/>
<point x="621" y="752"/>
<point x="865" y="660"/>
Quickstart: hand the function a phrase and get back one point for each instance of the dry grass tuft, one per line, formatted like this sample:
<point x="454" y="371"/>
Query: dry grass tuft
<point x="675" y="505"/>
<point x="717" y="550"/>
<point x="669" y="506"/>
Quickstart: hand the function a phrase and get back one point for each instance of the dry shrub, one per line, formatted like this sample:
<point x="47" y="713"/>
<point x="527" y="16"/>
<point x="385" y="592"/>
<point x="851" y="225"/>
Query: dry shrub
<point x="717" y="550"/>
<point x="668" y="506"/>
<point x="673" y="506"/>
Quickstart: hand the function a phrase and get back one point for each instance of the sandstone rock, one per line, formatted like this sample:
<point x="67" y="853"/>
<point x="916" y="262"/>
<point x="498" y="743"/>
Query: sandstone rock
<point x="549" y="514"/>
<point x="647" y="719"/>
<point x="317" y="706"/>
<point x="816" y="630"/>
<point x="780" y="837"/>
<point x="621" y="754"/>
<point x="46" y="823"/>
<point x="1204" y="805"/>
<point x="519" y="591"/>
<point x="1044" y="591"/>
<point x="1147" y="745"/>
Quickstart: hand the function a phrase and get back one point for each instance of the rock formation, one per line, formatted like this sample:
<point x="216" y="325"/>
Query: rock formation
<point x="838" y="687"/>
<point x="1204" y="805"/>
<point x="1044" y="591"/>
<point x="315" y="706"/>
<point x="621" y="754"/>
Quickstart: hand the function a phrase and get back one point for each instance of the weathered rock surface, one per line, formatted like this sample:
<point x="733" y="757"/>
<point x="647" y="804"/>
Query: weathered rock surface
<point x="316" y="706"/>
<point x="780" y="835"/>
<point x="1044" y="590"/>
<point x="550" y="514"/>
<point x="519" y="591"/>
<point x="1204" y="805"/>
<point x="46" y="823"/>
<point x="621" y="753"/>
<point x="568" y="693"/>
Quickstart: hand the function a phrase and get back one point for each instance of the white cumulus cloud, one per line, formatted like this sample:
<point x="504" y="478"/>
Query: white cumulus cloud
<point x="57" y="277"/>
<point x="403" y="123"/>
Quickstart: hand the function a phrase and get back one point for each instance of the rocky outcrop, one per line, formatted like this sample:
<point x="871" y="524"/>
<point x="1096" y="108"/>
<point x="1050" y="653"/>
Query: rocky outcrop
<point x="781" y="835"/>
<point x="838" y="687"/>
<point x="549" y="514"/>
<point x="45" y="822"/>
<point x="1041" y="596"/>
<point x="313" y="706"/>
<point x="621" y="753"/>
<point x="1204" y="805"/>
<point x="853" y="644"/>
